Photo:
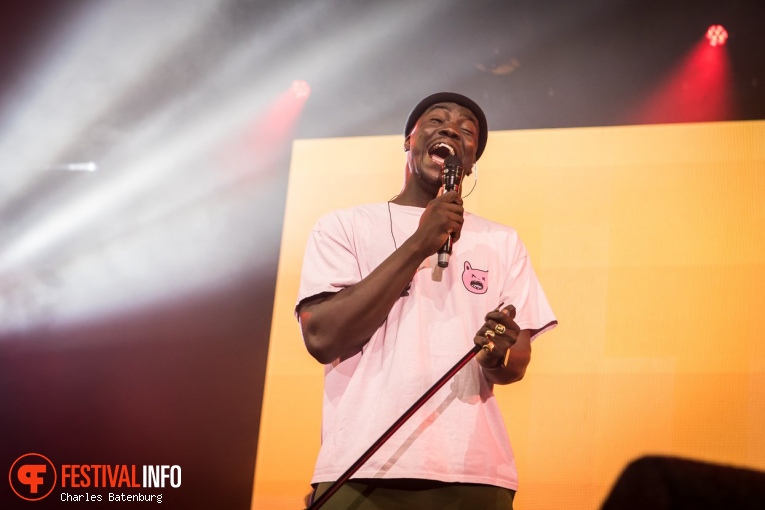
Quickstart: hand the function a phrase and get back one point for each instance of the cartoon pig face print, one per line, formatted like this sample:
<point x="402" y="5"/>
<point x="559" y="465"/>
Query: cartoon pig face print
<point x="475" y="280"/>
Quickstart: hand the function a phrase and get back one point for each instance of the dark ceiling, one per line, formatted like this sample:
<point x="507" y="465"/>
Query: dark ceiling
<point x="531" y="64"/>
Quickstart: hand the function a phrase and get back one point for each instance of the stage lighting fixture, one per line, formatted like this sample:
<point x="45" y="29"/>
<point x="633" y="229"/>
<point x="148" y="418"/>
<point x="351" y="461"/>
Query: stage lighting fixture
<point x="301" y="89"/>
<point x="717" y="35"/>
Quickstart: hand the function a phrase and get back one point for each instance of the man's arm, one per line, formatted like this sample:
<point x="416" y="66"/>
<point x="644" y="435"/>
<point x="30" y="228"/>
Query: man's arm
<point x="338" y="325"/>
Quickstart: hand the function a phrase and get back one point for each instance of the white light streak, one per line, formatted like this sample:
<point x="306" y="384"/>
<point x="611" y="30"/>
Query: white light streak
<point x="159" y="219"/>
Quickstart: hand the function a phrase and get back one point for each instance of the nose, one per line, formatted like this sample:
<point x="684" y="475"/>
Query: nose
<point x="450" y="131"/>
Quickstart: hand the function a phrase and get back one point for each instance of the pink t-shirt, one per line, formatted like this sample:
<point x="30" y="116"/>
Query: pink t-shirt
<point x="459" y="435"/>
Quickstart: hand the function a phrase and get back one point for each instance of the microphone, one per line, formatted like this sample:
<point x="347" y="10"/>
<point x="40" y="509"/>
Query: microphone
<point x="452" y="177"/>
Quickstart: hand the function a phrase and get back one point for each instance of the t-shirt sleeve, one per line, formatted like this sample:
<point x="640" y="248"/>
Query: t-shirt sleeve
<point x="329" y="262"/>
<point x="523" y="290"/>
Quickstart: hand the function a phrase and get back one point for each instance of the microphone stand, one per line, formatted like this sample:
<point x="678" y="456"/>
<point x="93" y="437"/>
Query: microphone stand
<point x="393" y="428"/>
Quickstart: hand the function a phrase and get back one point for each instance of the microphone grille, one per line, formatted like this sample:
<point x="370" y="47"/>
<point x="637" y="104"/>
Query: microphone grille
<point x="452" y="162"/>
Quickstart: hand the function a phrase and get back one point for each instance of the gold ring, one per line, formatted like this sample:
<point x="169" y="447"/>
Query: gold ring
<point x="488" y="347"/>
<point x="500" y="329"/>
<point x="489" y="334"/>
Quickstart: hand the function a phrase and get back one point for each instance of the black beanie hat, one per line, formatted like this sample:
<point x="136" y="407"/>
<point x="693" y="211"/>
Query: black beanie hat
<point x="451" y="97"/>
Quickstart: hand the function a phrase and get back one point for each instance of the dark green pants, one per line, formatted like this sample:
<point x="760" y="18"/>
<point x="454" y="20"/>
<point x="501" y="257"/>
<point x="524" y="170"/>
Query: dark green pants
<point x="410" y="494"/>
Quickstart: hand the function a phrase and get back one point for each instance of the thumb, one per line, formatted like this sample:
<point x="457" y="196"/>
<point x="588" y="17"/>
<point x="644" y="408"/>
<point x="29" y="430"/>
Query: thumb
<point x="509" y="310"/>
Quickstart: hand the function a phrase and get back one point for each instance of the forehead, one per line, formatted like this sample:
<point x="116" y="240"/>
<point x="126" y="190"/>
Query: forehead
<point x="453" y="109"/>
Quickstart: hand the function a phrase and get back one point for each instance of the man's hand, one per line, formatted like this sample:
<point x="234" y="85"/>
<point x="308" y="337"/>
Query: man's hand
<point x="442" y="217"/>
<point x="497" y="335"/>
<point x="506" y="349"/>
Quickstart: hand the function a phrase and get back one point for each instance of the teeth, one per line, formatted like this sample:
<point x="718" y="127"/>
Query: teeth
<point x="442" y="144"/>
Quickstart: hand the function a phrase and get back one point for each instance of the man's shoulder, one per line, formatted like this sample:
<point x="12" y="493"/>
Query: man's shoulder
<point x="484" y="224"/>
<point x="350" y="215"/>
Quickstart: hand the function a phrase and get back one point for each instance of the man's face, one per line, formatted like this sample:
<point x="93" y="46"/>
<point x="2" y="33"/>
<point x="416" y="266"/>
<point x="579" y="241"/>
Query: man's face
<point x="444" y="129"/>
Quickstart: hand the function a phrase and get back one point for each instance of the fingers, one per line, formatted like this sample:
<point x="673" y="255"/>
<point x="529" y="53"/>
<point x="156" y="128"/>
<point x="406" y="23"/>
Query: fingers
<point x="453" y="196"/>
<point x="449" y="197"/>
<point x="443" y="217"/>
<point x="486" y="339"/>
<point x="454" y="226"/>
<point x="493" y="348"/>
<point x="498" y="334"/>
<point x="507" y="313"/>
<point x="453" y="212"/>
<point x="489" y="344"/>
<point x="500" y="330"/>
<point x="449" y="207"/>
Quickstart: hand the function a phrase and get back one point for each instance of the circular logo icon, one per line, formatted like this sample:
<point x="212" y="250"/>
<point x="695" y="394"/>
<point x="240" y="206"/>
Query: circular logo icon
<point x="32" y="477"/>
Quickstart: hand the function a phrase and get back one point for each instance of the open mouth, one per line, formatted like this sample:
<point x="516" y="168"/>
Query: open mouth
<point x="440" y="151"/>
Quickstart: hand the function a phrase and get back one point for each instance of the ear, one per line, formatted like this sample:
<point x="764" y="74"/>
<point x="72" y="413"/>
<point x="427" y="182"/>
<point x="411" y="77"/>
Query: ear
<point x="407" y="143"/>
<point x="467" y="266"/>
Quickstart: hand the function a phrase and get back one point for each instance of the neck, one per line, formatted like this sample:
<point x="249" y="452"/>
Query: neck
<point x="414" y="194"/>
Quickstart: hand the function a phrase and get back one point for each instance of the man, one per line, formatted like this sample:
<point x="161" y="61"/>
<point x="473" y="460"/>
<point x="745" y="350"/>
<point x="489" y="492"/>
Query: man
<point x="387" y="322"/>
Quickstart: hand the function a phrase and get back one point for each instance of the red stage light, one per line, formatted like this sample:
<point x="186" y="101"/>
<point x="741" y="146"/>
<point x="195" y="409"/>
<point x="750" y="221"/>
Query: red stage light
<point x="301" y="89"/>
<point x="717" y="35"/>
